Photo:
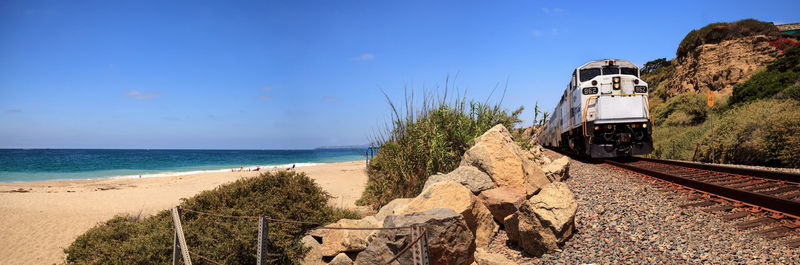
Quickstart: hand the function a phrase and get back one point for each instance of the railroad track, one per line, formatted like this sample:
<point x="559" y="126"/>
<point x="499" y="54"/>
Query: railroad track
<point x="726" y="188"/>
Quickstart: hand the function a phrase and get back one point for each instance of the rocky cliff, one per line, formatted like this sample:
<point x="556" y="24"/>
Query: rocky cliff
<point x="719" y="55"/>
<point x="721" y="65"/>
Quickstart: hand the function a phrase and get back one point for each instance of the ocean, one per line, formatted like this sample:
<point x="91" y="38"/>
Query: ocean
<point x="57" y="164"/>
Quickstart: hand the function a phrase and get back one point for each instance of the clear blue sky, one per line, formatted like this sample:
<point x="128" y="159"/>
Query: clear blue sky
<point x="301" y="74"/>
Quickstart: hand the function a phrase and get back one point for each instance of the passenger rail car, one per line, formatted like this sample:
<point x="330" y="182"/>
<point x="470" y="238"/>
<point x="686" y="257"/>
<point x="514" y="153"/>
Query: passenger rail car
<point x="604" y="112"/>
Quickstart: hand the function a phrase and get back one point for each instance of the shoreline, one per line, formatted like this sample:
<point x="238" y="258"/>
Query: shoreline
<point x="163" y="174"/>
<point x="42" y="218"/>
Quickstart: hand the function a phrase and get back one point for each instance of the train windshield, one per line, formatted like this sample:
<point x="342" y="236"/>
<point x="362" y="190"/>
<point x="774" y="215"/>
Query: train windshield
<point x="629" y="71"/>
<point x="609" y="70"/>
<point x="588" y="74"/>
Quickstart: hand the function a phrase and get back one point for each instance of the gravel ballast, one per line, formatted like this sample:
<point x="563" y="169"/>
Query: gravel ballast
<point x="625" y="218"/>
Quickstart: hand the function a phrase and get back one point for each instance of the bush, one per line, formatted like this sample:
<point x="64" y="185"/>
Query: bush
<point x="684" y="109"/>
<point x="677" y="142"/>
<point x="718" y="32"/>
<point x="423" y="143"/>
<point x="282" y="195"/>
<point x="779" y="75"/>
<point x="764" y="132"/>
<point x="654" y="65"/>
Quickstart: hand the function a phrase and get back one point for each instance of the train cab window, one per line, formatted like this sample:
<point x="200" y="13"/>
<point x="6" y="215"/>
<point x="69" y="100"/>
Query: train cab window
<point x="630" y="71"/>
<point x="588" y="74"/>
<point x="610" y="70"/>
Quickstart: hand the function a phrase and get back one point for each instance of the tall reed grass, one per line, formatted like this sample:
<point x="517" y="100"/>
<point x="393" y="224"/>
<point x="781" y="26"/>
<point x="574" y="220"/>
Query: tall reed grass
<point x="425" y="136"/>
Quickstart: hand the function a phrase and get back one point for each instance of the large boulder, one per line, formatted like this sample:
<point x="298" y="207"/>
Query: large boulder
<point x="314" y="254"/>
<point x="511" y="225"/>
<point x="558" y="170"/>
<point x="469" y="176"/>
<point x="504" y="161"/>
<point x="502" y="202"/>
<point x="483" y="257"/>
<point x="449" y="239"/>
<point x="341" y="259"/>
<point x="454" y="196"/>
<point x="544" y="221"/>
<point x="335" y="241"/>
<point x="390" y="208"/>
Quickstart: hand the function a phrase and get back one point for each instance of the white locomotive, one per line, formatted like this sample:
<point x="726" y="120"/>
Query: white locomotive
<point x="604" y="112"/>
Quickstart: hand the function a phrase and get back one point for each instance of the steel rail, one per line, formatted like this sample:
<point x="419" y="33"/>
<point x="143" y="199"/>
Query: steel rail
<point x="788" y="207"/>
<point x="759" y="173"/>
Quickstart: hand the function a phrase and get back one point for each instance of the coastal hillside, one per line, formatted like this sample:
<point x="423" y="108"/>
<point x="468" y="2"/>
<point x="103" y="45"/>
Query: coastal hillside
<point x="754" y="75"/>
<point x="719" y="55"/>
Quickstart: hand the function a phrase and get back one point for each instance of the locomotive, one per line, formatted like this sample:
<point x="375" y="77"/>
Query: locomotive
<point x="603" y="112"/>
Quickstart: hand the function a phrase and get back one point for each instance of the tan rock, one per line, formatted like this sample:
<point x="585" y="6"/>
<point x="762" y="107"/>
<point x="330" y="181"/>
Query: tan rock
<point x="504" y="161"/>
<point x="314" y="254"/>
<point x="454" y="196"/>
<point x="558" y="170"/>
<point x="469" y="176"/>
<point x="547" y="219"/>
<point x="338" y="241"/>
<point x="502" y="202"/>
<point x="449" y="239"/>
<point x="511" y="225"/>
<point x="483" y="257"/>
<point x="389" y="208"/>
<point x="341" y="259"/>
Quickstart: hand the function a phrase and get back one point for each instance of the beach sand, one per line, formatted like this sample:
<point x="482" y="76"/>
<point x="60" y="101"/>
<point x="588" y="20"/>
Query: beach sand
<point x="40" y="222"/>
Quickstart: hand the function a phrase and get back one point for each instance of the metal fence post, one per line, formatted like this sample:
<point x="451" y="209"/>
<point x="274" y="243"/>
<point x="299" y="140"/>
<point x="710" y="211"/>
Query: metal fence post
<point x="263" y="240"/>
<point x="423" y="243"/>
<point x="419" y="251"/>
<point x="180" y="240"/>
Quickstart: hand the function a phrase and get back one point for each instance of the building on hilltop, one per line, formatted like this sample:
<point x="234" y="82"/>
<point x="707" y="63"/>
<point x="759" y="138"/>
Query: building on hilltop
<point x="793" y="29"/>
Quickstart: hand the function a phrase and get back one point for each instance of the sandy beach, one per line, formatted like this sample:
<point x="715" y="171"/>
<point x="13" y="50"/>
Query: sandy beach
<point x="43" y="219"/>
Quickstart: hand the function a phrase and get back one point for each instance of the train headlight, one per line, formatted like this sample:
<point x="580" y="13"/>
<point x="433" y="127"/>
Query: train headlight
<point x="589" y="90"/>
<point x="640" y="89"/>
<point x="616" y="80"/>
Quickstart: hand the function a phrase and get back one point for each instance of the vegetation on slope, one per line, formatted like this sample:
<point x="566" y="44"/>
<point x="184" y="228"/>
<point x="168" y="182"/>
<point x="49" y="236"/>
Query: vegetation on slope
<point x="426" y="141"/>
<point x="779" y="75"/>
<point x="764" y="132"/>
<point x="282" y="195"/>
<point x="718" y="32"/>
<point x="656" y="73"/>
<point x="758" y="124"/>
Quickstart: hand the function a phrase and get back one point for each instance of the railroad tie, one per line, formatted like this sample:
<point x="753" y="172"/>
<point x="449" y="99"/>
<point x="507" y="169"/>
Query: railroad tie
<point x="777" y="229"/>
<point x="749" y="183"/>
<point x="793" y="243"/>
<point x="761" y="187"/>
<point x="781" y="190"/>
<point x="698" y="204"/>
<point x="719" y="208"/>
<point x="789" y="196"/>
<point x="735" y="215"/>
<point x="753" y="223"/>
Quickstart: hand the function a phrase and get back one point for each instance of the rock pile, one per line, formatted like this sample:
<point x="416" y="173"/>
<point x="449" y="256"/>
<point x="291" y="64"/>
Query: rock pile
<point x="496" y="183"/>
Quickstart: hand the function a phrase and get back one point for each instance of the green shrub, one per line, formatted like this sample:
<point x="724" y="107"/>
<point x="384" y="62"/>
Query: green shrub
<point x="792" y="92"/>
<point x="718" y="32"/>
<point x="282" y="195"/>
<point x="779" y="75"/>
<point x="677" y="142"/>
<point x="423" y="143"/>
<point x="764" y="132"/>
<point x="685" y="109"/>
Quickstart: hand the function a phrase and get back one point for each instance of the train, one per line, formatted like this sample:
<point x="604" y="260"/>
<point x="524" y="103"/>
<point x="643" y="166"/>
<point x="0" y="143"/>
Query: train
<point x="604" y="112"/>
